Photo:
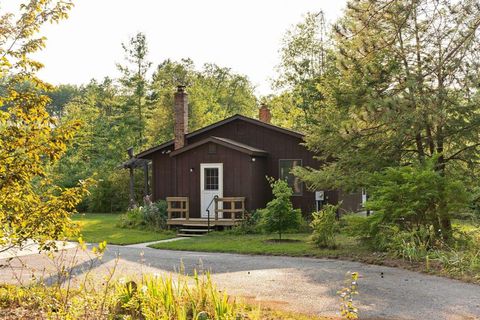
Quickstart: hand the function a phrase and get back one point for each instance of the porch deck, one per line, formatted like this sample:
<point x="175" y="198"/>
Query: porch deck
<point x="178" y="210"/>
<point x="202" y="222"/>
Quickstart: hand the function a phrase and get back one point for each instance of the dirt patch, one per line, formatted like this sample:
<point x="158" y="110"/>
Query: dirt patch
<point x="21" y="313"/>
<point x="282" y="240"/>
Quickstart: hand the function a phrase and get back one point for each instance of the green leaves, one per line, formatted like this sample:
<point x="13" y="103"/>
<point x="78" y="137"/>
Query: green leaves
<point x="279" y="215"/>
<point x="31" y="141"/>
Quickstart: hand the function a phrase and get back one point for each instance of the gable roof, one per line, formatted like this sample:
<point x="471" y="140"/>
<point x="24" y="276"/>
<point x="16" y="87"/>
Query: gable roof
<point x="232" y="144"/>
<point x="218" y="124"/>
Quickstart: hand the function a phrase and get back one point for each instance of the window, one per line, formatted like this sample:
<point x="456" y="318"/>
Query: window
<point x="211" y="178"/>
<point x="294" y="182"/>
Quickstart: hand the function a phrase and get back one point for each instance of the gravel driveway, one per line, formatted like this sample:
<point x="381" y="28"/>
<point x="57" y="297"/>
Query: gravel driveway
<point x="298" y="284"/>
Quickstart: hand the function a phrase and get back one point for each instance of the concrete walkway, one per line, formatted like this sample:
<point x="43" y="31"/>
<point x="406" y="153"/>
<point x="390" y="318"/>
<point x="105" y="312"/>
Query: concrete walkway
<point x="297" y="284"/>
<point x="146" y="244"/>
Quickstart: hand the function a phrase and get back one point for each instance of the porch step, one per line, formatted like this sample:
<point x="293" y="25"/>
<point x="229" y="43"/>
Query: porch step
<point x="189" y="235"/>
<point x="195" y="230"/>
<point x="201" y="225"/>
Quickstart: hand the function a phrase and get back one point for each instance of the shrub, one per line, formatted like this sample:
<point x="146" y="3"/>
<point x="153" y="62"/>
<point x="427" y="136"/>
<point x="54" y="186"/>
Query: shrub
<point x="411" y="245"/>
<point x="325" y="226"/>
<point x="155" y="214"/>
<point x="151" y="216"/>
<point x="279" y="215"/>
<point x="414" y="197"/>
<point x="133" y="218"/>
<point x="251" y="224"/>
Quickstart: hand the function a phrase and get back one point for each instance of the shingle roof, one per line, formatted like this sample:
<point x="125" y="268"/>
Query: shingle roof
<point x="147" y="152"/>
<point x="232" y="144"/>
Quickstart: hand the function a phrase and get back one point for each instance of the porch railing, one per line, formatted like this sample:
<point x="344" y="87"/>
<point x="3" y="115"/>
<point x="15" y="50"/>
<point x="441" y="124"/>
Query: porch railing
<point x="237" y="207"/>
<point x="178" y="205"/>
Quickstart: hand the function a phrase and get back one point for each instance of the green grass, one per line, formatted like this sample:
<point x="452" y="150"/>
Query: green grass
<point x="97" y="227"/>
<point x="259" y="244"/>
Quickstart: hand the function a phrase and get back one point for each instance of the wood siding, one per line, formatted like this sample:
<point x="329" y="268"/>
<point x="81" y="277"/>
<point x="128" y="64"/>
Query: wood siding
<point x="242" y="176"/>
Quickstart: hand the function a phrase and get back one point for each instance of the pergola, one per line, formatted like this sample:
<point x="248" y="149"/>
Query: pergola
<point x="131" y="164"/>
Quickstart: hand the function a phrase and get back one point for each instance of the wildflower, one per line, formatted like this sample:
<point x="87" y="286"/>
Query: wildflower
<point x="122" y="281"/>
<point x="144" y="289"/>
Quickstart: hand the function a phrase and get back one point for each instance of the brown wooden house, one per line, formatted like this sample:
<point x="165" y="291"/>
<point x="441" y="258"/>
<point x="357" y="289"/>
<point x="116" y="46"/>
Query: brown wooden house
<point x="218" y="172"/>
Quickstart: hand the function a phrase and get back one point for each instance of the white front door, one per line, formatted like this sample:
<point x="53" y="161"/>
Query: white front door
<point x="211" y="185"/>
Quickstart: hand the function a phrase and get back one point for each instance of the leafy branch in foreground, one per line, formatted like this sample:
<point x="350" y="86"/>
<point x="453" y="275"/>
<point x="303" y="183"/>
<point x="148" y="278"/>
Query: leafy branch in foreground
<point x="31" y="207"/>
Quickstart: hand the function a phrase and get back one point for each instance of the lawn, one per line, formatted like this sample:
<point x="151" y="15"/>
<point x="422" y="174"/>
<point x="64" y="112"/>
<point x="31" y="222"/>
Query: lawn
<point x="97" y="227"/>
<point x="441" y="263"/>
<point x="262" y="244"/>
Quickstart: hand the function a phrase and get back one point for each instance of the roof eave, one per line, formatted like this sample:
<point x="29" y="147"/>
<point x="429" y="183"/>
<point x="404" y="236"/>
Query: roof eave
<point x="219" y="142"/>
<point x="147" y="153"/>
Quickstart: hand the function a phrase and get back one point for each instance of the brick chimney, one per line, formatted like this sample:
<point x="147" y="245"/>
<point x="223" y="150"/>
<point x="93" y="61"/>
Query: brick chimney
<point x="181" y="117"/>
<point x="264" y="114"/>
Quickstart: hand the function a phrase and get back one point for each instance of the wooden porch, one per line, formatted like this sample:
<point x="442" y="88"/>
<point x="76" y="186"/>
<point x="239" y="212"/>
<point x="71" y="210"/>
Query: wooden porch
<point x="226" y="212"/>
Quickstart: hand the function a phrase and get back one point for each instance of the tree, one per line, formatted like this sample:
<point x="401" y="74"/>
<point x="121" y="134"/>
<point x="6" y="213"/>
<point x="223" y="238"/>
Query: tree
<point x="404" y="89"/>
<point x="279" y="215"/>
<point x="305" y="57"/>
<point x="60" y="96"/>
<point x="135" y="84"/>
<point x="215" y="93"/>
<point x="168" y="75"/>
<point x="99" y="148"/>
<point x="31" y="207"/>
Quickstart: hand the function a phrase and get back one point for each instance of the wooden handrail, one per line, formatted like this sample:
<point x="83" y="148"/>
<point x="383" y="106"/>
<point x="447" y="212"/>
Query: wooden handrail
<point x="233" y="209"/>
<point x="183" y="209"/>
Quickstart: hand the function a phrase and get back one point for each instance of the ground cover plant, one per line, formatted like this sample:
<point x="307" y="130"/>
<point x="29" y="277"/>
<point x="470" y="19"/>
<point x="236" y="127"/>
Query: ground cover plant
<point x="97" y="227"/>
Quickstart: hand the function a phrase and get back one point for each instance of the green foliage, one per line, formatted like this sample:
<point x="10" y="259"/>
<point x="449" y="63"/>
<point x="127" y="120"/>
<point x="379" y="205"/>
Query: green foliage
<point x="279" y="215"/>
<point x="118" y="114"/>
<point x="413" y="197"/>
<point x="163" y="298"/>
<point x="135" y="88"/>
<point x="380" y="107"/>
<point x="153" y="297"/>
<point x="348" y="309"/>
<point x="150" y="216"/>
<point x="325" y="226"/>
<point x="305" y="58"/>
<point x="250" y="225"/>
<point x="32" y="205"/>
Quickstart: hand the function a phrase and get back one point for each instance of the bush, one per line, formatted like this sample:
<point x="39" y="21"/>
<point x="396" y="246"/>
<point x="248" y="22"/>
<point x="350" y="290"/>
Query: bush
<point x="155" y="214"/>
<point x="151" y="216"/>
<point x="251" y="224"/>
<point x="414" y="197"/>
<point x="325" y="226"/>
<point x="133" y="218"/>
<point x="279" y="215"/>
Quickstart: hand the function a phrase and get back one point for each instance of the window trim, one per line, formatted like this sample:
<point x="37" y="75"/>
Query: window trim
<point x="301" y="182"/>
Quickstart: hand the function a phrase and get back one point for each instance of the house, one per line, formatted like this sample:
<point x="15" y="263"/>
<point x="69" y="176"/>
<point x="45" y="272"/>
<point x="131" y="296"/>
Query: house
<point x="218" y="172"/>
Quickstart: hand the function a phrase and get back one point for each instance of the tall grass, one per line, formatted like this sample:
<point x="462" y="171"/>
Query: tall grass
<point x="165" y="298"/>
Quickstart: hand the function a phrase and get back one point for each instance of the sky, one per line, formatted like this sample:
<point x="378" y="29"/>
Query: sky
<point x="242" y="35"/>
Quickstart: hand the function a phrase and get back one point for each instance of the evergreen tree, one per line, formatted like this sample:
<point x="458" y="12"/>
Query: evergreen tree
<point x="404" y="89"/>
<point x="135" y="85"/>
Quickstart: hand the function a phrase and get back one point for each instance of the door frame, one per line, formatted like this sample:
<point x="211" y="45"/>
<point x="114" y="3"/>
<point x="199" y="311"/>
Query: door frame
<point x="204" y="166"/>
